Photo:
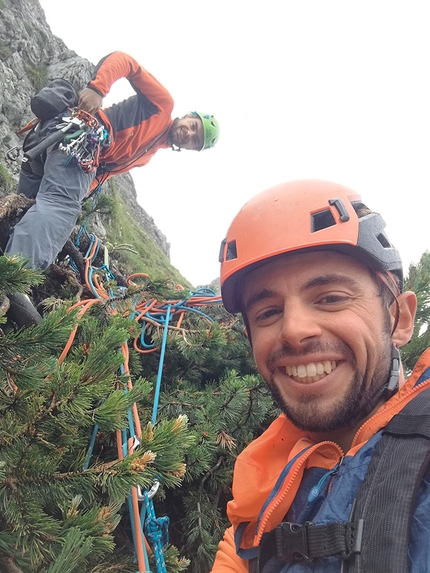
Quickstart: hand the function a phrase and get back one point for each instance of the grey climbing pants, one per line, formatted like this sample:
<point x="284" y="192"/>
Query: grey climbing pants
<point x="44" y="229"/>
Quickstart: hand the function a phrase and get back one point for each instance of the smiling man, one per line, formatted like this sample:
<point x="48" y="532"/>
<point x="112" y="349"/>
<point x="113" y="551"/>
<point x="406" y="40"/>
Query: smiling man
<point x="335" y="484"/>
<point x="188" y="132"/>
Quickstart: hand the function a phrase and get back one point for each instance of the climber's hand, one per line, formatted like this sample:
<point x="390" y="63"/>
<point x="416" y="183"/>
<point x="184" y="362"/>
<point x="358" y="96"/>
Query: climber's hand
<point x="90" y="101"/>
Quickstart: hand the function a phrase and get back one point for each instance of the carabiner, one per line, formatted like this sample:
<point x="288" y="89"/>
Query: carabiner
<point x="13" y="153"/>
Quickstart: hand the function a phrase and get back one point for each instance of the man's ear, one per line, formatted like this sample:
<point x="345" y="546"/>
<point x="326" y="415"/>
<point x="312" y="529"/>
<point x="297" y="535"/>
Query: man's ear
<point x="406" y="308"/>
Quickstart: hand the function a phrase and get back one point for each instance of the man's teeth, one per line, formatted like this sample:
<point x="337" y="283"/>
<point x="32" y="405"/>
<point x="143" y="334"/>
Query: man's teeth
<point x="311" y="372"/>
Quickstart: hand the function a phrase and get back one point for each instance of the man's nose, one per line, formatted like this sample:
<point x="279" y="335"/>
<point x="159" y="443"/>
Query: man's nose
<point x="299" y="325"/>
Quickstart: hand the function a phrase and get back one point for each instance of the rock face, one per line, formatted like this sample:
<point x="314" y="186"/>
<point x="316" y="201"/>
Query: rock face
<point x="30" y="56"/>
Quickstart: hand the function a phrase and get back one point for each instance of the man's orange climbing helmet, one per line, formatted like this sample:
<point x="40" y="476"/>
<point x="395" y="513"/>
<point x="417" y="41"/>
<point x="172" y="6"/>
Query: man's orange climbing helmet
<point x="301" y="215"/>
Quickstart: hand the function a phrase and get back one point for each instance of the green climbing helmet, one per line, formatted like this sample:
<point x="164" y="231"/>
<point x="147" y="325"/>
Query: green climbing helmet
<point x="210" y="129"/>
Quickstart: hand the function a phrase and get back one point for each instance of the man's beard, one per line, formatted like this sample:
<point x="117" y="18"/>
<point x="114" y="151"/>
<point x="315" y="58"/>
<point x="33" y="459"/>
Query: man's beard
<point x="361" y="396"/>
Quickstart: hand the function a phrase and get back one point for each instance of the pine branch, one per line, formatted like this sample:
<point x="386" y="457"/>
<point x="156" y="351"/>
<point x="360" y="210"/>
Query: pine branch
<point x="73" y="554"/>
<point x="15" y="277"/>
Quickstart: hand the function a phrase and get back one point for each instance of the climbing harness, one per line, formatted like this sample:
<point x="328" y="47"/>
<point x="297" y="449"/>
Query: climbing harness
<point x="150" y="534"/>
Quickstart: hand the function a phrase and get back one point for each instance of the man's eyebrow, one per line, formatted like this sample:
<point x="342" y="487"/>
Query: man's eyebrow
<point x="322" y="280"/>
<point x="258" y="297"/>
<point x="332" y="279"/>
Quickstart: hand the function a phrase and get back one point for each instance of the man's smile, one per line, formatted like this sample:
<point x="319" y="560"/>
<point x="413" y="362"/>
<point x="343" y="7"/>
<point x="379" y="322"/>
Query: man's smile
<point x="311" y="372"/>
<point x="183" y="134"/>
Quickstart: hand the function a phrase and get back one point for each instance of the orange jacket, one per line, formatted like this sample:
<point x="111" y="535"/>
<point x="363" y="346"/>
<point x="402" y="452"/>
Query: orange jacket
<point x="135" y="124"/>
<point x="259" y="466"/>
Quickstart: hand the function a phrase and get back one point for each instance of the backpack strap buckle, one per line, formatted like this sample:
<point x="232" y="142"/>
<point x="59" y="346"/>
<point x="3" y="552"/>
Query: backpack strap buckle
<point x="292" y="541"/>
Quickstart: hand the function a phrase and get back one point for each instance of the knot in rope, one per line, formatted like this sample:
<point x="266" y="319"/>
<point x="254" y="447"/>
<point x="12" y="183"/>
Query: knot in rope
<point x="157" y="530"/>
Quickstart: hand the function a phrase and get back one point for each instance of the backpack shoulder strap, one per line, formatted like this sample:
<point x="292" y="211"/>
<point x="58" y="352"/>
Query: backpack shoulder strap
<point x="387" y="497"/>
<point x="376" y="538"/>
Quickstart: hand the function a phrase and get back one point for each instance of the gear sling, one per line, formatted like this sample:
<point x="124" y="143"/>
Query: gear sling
<point x="79" y="135"/>
<point x="376" y="537"/>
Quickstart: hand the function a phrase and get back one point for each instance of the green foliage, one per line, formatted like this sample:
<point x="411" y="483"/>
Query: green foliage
<point x="172" y="560"/>
<point x="6" y="180"/>
<point x="60" y="503"/>
<point x="212" y="404"/>
<point x="28" y="28"/>
<point x="38" y="76"/>
<point x="5" y="51"/>
<point x="418" y="281"/>
<point x="102" y="205"/>
<point x="144" y="256"/>
<point x="14" y="277"/>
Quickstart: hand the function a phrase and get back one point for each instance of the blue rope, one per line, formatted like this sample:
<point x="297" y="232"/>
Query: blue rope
<point x="91" y="446"/>
<point x="160" y="366"/>
<point x="156" y="532"/>
<point x="81" y="231"/>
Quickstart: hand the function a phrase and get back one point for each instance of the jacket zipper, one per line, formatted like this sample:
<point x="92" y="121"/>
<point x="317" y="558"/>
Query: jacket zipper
<point x="316" y="490"/>
<point x="291" y="478"/>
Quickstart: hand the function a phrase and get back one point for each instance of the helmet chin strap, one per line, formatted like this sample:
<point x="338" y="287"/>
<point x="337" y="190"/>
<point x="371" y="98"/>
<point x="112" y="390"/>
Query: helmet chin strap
<point x="386" y="391"/>
<point x="392" y="385"/>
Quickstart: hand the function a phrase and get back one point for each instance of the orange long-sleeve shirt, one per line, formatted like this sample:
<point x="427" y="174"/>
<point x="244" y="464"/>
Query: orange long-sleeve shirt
<point x="139" y="125"/>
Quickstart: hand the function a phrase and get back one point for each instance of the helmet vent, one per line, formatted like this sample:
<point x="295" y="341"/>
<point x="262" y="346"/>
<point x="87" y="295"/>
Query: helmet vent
<point x="221" y="251"/>
<point x="231" y="251"/>
<point x="322" y="220"/>
<point x="384" y="241"/>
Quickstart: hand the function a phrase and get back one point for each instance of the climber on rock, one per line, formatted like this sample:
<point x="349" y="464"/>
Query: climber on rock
<point x="133" y="131"/>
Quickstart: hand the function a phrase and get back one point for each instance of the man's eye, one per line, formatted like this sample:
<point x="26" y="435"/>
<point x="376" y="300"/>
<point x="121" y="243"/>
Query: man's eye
<point x="332" y="299"/>
<point x="267" y="314"/>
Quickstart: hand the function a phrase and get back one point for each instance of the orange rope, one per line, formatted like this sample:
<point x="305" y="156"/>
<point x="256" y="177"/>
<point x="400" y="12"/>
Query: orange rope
<point x="86" y="304"/>
<point x="136" y="518"/>
<point x="136" y="418"/>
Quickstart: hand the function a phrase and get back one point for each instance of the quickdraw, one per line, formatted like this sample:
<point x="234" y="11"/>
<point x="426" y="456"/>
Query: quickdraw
<point x="83" y="145"/>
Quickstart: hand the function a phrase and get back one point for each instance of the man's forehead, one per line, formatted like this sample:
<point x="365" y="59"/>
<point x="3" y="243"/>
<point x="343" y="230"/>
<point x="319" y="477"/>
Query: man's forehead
<point x="200" y="130"/>
<point x="310" y="268"/>
<point x="194" y="117"/>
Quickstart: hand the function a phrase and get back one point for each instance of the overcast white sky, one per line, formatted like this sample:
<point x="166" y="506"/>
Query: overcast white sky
<point x="329" y="89"/>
